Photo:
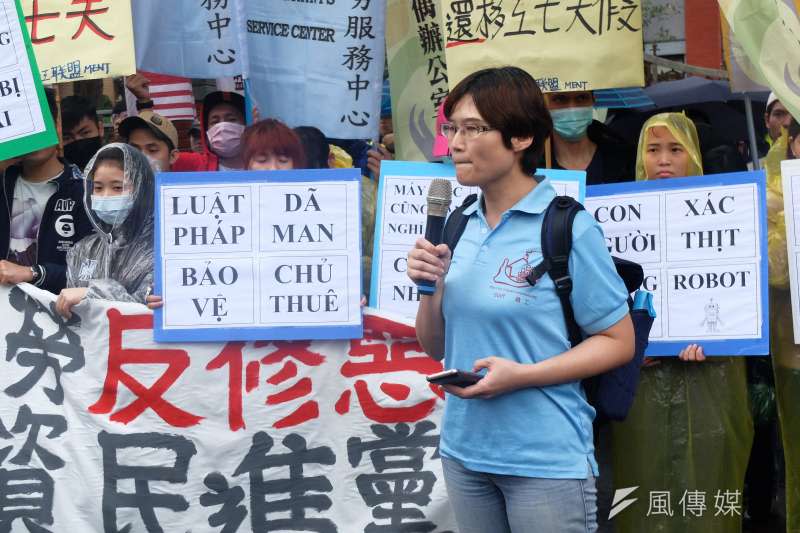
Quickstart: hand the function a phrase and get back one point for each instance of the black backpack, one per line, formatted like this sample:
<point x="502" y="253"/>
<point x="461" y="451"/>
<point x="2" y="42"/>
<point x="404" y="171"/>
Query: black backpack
<point x="610" y="393"/>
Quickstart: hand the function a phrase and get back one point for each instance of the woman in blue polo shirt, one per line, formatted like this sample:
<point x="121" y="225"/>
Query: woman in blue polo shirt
<point x="516" y="447"/>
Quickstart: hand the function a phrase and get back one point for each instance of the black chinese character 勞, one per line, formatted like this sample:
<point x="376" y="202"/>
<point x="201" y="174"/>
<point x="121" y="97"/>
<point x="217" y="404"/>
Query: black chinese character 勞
<point x="33" y="350"/>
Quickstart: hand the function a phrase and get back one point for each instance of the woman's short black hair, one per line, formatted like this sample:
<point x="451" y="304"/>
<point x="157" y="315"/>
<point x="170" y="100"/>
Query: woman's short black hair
<point x="510" y="101"/>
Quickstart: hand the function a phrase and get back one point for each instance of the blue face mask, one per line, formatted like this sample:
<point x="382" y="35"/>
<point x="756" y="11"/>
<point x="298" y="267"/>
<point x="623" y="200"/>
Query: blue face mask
<point x="571" y="123"/>
<point x="112" y="209"/>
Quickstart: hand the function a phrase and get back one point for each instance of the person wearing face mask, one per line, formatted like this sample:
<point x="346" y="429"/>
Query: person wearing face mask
<point x="116" y="263"/>
<point x="581" y="143"/>
<point x="153" y="135"/>
<point x="690" y="427"/>
<point x="82" y="130"/>
<point x="41" y="216"/>
<point x="223" y="124"/>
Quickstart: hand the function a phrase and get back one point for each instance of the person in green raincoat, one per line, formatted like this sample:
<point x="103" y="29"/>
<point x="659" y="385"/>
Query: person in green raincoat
<point x="785" y="353"/>
<point x="686" y="440"/>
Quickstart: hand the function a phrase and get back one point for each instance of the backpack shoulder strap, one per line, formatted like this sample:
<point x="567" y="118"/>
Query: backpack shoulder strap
<point x="456" y="223"/>
<point x="556" y="247"/>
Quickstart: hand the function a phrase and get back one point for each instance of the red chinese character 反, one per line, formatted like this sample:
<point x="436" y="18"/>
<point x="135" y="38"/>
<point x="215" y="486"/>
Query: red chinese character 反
<point x="152" y="397"/>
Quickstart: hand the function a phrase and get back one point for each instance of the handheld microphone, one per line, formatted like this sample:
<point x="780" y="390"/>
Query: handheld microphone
<point x="440" y="194"/>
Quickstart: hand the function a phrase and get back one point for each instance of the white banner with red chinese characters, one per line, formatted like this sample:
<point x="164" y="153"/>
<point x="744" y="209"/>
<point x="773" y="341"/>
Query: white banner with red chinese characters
<point x="102" y="430"/>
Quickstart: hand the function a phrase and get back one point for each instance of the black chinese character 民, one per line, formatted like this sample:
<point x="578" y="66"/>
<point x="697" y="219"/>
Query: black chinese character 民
<point x="142" y="498"/>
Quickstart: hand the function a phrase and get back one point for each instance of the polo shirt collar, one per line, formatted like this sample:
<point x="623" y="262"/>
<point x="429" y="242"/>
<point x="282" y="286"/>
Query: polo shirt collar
<point x="535" y="202"/>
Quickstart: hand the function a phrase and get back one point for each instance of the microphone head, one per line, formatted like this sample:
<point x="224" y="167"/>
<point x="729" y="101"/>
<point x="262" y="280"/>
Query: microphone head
<point x="440" y="194"/>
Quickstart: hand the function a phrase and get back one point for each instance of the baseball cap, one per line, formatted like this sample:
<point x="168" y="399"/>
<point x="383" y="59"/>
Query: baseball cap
<point x="161" y="126"/>
<point x="771" y="99"/>
<point x="222" y="97"/>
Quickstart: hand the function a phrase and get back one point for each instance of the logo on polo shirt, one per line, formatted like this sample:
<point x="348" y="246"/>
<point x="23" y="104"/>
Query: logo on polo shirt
<point x="514" y="272"/>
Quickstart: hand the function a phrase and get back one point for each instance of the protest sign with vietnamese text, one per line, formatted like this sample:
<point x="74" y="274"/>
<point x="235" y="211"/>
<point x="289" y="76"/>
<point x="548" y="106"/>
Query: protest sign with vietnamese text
<point x="401" y="217"/>
<point x="702" y="244"/>
<point x="26" y="124"/>
<point x="246" y="256"/>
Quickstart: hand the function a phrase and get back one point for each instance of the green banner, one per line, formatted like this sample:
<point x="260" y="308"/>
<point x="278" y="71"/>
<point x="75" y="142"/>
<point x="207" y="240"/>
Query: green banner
<point x="417" y="74"/>
<point x="767" y="33"/>
<point x="26" y="124"/>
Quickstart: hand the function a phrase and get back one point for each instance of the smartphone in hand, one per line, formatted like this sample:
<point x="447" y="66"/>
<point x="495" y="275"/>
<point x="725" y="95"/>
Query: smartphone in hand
<point x="459" y="378"/>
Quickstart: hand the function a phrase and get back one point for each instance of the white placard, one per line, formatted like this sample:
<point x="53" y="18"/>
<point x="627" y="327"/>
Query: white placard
<point x="401" y="219"/>
<point x="701" y="249"/>
<point x="237" y="257"/>
<point x="20" y="105"/>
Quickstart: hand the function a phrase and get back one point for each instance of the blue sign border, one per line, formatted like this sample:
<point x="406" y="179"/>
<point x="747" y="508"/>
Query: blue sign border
<point x="438" y="170"/>
<point x="744" y="347"/>
<point x="202" y="334"/>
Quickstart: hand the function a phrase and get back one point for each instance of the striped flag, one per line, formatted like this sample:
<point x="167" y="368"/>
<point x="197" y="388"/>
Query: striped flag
<point x="172" y="96"/>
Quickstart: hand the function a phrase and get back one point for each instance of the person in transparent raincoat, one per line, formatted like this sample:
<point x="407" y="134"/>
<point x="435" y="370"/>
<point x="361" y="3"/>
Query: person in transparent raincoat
<point x="116" y="262"/>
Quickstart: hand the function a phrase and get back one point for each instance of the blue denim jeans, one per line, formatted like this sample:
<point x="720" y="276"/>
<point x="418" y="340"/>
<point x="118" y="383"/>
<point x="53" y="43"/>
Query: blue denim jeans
<point x="493" y="503"/>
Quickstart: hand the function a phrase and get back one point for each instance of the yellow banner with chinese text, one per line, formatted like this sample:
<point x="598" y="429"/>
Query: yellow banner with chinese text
<point x="567" y="45"/>
<point x="78" y="40"/>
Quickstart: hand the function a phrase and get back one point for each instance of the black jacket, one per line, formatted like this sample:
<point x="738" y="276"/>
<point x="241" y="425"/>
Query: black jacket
<point x="613" y="162"/>
<point x="64" y="222"/>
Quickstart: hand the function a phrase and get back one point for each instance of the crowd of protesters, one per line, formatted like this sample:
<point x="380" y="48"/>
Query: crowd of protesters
<point x="79" y="223"/>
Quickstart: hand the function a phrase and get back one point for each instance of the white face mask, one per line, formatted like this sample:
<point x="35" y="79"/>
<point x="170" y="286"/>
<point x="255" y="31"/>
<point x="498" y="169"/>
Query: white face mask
<point x="112" y="209"/>
<point x="225" y="138"/>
